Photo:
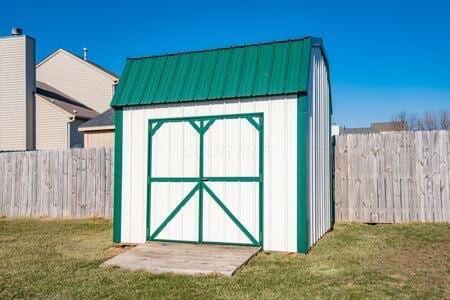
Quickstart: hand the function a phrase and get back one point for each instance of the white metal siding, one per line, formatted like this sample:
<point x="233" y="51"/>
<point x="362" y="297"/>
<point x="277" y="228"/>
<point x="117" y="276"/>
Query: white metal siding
<point x="319" y="141"/>
<point x="51" y="126"/>
<point x="16" y="93"/>
<point x="77" y="79"/>
<point x="280" y="169"/>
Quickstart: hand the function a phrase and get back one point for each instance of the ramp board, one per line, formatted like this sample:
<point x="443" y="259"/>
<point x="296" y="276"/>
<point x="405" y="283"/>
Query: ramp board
<point x="184" y="258"/>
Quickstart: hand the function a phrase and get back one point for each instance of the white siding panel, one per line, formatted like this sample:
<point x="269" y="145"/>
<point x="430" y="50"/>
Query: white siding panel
<point x="129" y="183"/>
<point x="231" y="149"/>
<point x="165" y="197"/>
<point x="319" y="159"/>
<point x="175" y="151"/>
<point x="280" y="142"/>
<point x="136" y="212"/>
<point x="242" y="200"/>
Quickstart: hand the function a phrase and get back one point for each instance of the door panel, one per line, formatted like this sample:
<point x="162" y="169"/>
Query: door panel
<point x="241" y="199"/>
<point x="231" y="149"/>
<point x="205" y="179"/>
<point x="175" y="151"/>
<point x="166" y="196"/>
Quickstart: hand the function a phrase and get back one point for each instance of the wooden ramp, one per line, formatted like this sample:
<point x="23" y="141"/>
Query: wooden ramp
<point x="182" y="258"/>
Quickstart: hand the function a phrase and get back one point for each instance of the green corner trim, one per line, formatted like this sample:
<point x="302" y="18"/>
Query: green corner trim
<point x="195" y="126"/>
<point x="117" y="210"/>
<point x="332" y="156"/>
<point x="254" y="123"/>
<point x="302" y="174"/>
<point x="207" y="125"/>
<point x="156" y="127"/>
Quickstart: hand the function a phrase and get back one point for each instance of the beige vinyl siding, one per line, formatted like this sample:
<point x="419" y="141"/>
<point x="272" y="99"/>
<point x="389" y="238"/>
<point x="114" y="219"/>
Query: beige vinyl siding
<point x="51" y="125"/>
<point x="76" y="137"/>
<point x="99" y="138"/>
<point x="78" y="79"/>
<point x="16" y="55"/>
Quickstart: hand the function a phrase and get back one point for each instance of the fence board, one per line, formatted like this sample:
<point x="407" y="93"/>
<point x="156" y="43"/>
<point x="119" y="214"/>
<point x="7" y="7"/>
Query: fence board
<point x="393" y="177"/>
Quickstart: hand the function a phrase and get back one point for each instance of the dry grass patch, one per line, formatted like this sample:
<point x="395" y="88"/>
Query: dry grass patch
<point x="61" y="259"/>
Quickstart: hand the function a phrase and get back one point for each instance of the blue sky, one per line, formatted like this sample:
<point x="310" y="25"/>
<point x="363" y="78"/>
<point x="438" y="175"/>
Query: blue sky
<point x="385" y="56"/>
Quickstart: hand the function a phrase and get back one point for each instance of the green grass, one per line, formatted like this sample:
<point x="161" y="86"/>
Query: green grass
<point x="60" y="259"/>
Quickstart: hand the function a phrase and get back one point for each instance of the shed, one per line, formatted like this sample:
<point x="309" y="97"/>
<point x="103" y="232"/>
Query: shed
<point x="99" y="131"/>
<point x="228" y="146"/>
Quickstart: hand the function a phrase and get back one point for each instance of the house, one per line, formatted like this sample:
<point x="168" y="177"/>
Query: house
<point x="390" y="126"/>
<point x="357" y="130"/>
<point x="78" y="78"/>
<point x="58" y="117"/>
<point x="43" y="105"/>
<point x="85" y="90"/>
<point x="228" y="146"/>
<point x="380" y="127"/>
<point x="99" y="131"/>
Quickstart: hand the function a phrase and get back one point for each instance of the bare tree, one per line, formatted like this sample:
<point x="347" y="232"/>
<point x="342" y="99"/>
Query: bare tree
<point x="429" y="120"/>
<point x="444" y="120"/>
<point x="413" y="121"/>
<point x="401" y="120"/>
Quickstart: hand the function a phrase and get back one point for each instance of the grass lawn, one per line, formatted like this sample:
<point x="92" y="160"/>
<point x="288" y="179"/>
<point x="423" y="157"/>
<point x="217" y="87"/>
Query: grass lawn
<point x="60" y="259"/>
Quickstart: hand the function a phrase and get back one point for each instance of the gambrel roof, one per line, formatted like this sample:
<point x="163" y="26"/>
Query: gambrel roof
<point x="275" y="68"/>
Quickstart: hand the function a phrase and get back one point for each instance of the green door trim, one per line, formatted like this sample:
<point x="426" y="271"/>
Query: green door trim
<point x="211" y="179"/>
<point x="201" y="125"/>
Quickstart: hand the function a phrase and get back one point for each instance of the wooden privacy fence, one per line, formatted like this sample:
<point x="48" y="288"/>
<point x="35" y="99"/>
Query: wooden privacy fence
<point x="56" y="183"/>
<point x="393" y="177"/>
<point x="379" y="178"/>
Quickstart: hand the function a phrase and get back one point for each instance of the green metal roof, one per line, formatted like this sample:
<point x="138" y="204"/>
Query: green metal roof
<point x="274" y="68"/>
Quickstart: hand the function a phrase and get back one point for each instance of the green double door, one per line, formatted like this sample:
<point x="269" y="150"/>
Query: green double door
<point x="205" y="179"/>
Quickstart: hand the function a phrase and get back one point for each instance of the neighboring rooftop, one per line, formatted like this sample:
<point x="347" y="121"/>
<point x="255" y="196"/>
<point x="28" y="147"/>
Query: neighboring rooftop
<point x="64" y="102"/>
<point x="357" y="130"/>
<point x="105" y="119"/>
<point x="376" y="128"/>
<point x="390" y="126"/>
